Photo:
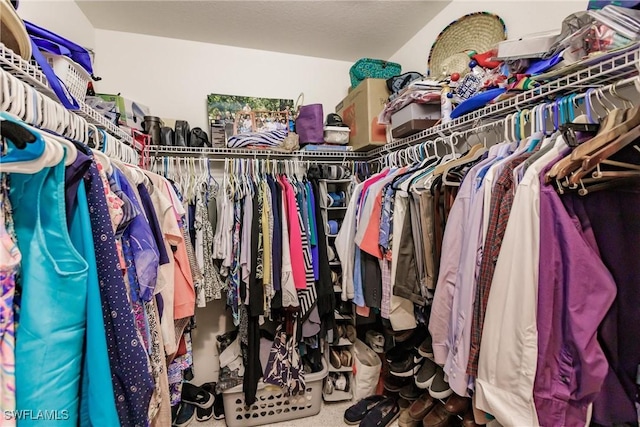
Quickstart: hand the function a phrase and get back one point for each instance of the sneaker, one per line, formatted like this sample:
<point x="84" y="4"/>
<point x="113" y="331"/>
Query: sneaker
<point x="394" y="384"/>
<point x="399" y="351"/>
<point x="375" y="340"/>
<point x="204" y="414"/>
<point x="184" y="414"/>
<point x="218" y="403"/>
<point x="407" y="367"/>
<point x="197" y="396"/>
<point x="410" y="392"/>
<point x="426" y="348"/>
<point x="426" y="374"/>
<point x="439" y="388"/>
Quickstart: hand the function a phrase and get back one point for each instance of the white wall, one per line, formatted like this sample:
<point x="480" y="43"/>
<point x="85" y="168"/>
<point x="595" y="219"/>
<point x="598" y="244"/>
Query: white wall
<point x="520" y="17"/>
<point x="63" y="17"/>
<point x="173" y="77"/>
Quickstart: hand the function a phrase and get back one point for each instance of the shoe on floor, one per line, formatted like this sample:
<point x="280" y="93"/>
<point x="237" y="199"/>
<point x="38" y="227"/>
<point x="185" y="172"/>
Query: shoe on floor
<point x="419" y="409"/>
<point x="410" y="392"/>
<point x="218" y="403"/>
<point x="422" y="406"/>
<point x="355" y="413"/>
<point x="403" y="404"/>
<point x="383" y="414"/>
<point x="468" y="420"/>
<point x="426" y="374"/>
<point x="394" y="384"/>
<point x="457" y="405"/>
<point x="406" y="367"/>
<point x="405" y="420"/>
<point x="439" y="417"/>
<point x="197" y="396"/>
<point x="439" y="388"/>
<point x="184" y="415"/>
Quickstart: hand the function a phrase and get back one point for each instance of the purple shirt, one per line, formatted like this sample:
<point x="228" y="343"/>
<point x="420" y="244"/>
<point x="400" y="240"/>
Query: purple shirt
<point x="575" y="291"/>
<point x="611" y="219"/>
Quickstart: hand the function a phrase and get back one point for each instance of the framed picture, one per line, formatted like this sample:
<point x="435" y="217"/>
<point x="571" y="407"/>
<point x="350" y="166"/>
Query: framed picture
<point x="242" y="114"/>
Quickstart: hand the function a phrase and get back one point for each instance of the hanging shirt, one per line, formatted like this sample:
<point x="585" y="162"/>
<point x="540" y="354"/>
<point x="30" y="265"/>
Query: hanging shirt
<point x="295" y="236"/>
<point x="172" y="236"/>
<point x="499" y="212"/>
<point x="289" y="294"/>
<point x="573" y="299"/>
<point x="509" y="349"/>
<point x="452" y="245"/>
<point x="345" y="246"/>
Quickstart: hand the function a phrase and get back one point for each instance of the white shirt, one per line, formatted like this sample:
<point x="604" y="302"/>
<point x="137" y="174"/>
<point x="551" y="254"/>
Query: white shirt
<point x="509" y="346"/>
<point x="345" y="244"/>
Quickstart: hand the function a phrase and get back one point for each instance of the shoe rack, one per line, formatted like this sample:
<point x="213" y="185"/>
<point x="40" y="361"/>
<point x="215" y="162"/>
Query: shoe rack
<point x="339" y="348"/>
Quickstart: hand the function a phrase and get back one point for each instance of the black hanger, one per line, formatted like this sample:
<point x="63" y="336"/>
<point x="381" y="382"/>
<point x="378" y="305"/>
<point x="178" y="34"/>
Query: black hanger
<point x="19" y="135"/>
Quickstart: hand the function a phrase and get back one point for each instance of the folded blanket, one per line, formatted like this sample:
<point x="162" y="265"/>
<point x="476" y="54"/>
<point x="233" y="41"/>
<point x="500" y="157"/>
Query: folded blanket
<point x="272" y="138"/>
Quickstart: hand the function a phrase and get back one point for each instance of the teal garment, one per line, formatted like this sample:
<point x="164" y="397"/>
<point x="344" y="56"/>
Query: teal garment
<point x="97" y="401"/>
<point x="50" y="336"/>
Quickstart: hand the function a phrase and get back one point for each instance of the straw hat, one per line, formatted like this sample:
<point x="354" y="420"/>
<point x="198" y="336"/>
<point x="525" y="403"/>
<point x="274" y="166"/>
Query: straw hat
<point x="479" y="31"/>
<point x="13" y="33"/>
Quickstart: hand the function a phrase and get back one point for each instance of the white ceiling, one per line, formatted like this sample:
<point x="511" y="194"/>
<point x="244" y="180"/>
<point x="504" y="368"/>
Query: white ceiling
<point x="342" y="30"/>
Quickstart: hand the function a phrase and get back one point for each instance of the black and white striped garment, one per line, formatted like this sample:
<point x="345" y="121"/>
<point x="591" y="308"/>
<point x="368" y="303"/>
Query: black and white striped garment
<point x="307" y="297"/>
<point x="272" y="138"/>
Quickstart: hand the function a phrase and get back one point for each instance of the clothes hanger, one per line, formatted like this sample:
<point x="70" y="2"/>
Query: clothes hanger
<point x="608" y="132"/>
<point x="28" y="160"/>
<point x="602" y="155"/>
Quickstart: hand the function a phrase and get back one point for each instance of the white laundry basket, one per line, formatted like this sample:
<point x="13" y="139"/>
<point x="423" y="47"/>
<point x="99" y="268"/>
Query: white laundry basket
<point x="272" y="406"/>
<point x="74" y="77"/>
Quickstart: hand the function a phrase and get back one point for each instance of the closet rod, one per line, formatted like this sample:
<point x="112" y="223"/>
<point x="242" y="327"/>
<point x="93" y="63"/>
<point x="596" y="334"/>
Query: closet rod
<point x="550" y="105"/>
<point x="595" y="72"/>
<point x="597" y="92"/>
<point x="156" y="159"/>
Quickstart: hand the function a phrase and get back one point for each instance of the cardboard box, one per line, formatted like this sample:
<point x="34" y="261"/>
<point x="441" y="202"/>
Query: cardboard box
<point x="131" y="113"/>
<point x="360" y="110"/>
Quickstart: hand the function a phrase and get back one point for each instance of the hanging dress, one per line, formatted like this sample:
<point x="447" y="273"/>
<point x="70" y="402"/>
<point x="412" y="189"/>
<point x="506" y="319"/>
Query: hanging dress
<point x="50" y="337"/>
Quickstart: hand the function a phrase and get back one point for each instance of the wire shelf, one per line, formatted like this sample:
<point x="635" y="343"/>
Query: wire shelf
<point x="597" y="72"/>
<point x="160" y="150"/>
<point x="593" y="72"/>
<point x="30" y="73"/>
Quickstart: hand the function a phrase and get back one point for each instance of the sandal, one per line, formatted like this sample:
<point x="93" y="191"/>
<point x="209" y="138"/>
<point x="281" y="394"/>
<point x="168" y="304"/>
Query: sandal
<point x="351" y="333"/>
<point x="335" y="359"/>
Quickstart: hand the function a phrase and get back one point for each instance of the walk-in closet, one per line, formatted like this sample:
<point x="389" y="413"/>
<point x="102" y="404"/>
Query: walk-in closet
<point x="319" y="213"/>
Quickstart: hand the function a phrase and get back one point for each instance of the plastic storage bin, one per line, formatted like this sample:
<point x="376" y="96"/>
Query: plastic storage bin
<point x="336" y="134"/>
<point x="272" y="406"/>
<point x="74" y="77"/>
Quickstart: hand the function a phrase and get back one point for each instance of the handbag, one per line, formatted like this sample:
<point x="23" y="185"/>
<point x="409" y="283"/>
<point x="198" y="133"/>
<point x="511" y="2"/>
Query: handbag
<point x="181" y="134"/>
<point x="166" y="136"/>
<point x="284" y="367"/>
<point x="198" y="138"/>
<point x="367" y="68"/>
<point x="309" y="122"/>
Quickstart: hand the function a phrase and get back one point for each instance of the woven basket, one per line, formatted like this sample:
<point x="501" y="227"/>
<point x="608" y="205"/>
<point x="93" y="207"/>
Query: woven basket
<point x="479" y="31"/>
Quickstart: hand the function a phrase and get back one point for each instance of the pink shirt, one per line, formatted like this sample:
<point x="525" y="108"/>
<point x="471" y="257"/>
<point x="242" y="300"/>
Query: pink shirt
<point x="295" y="236"/>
